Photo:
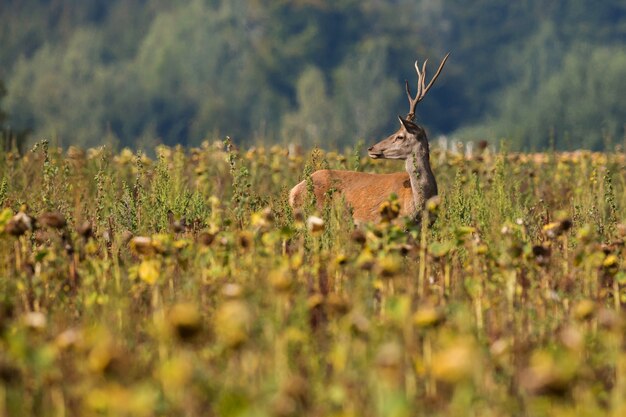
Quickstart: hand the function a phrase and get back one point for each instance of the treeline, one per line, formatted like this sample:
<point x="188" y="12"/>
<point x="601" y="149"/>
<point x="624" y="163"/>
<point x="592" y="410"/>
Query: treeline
<point x="134" y="72"/>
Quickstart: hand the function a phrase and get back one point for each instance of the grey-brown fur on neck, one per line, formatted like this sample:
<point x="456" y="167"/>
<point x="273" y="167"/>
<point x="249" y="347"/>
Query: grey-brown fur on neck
<point x="423" y="182"/>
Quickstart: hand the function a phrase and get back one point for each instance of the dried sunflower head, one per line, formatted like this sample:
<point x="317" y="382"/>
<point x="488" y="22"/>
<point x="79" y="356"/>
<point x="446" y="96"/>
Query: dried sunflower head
<point x="185" y="321"/>
<point x="52" y="219"/>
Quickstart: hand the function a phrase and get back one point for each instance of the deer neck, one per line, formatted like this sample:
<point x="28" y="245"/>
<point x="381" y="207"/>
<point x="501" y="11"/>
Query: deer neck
<point x="423" y="183"/>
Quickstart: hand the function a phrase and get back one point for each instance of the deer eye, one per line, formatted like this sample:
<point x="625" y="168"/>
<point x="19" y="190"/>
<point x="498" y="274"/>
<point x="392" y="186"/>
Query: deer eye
<point x="400" y="137"/>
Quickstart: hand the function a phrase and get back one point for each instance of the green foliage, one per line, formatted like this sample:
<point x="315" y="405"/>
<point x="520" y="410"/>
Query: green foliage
<point x="311" y="123"/>
<point x="4" y="189"/>
<point x="138" y="73"/>
<point x="10" y="139"/>
<point x="577" y="104"/>
<point x="127" y="209"/>
<point x="48" y="89"/>
<point x="3" y="115"/>
<point x="365" y="91"/>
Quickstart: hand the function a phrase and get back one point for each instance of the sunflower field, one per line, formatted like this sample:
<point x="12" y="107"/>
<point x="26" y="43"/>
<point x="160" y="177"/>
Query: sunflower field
<point x="184" y="284"/>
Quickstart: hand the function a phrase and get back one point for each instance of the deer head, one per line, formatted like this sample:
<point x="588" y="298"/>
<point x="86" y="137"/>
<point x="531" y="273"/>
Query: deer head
<point x="401" y="144"/>
<point x="410" y="138"/>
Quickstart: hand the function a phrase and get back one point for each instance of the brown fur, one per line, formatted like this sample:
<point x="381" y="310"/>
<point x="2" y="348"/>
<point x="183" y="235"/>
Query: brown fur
<point x="362" y="191"/>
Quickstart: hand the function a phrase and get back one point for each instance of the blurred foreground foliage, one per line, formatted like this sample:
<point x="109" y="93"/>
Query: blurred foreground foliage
<point x="184" y="285"/>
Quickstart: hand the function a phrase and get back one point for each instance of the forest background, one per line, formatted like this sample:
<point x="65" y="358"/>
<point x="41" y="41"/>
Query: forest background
<point x="536" y="73"/>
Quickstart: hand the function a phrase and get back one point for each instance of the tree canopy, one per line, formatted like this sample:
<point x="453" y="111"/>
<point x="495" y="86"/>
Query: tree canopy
<point x="326" y="72"/>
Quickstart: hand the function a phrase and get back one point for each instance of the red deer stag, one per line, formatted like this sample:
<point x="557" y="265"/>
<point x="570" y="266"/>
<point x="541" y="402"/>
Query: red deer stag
<point x="365" y="192"/>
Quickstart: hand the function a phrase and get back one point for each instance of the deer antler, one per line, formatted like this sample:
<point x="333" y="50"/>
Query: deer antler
<point x="422" y="88"/>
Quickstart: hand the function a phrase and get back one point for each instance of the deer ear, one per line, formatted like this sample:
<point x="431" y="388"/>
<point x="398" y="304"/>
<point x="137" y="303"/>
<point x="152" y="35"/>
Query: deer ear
<point x="408" y="125"/>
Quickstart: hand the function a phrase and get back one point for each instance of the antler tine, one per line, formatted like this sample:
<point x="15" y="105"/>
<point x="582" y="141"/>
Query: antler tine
<point x="430" y="84"/>
<point x="419" y="81"/>
<point x="422" y="88"/>
<point x="413" y="101"/>
<point x="423" y="79"/>
<point x="408" y="90"/>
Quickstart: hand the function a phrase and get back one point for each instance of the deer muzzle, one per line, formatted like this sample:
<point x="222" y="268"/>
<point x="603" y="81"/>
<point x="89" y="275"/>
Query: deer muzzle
<point x="374" y="154"/>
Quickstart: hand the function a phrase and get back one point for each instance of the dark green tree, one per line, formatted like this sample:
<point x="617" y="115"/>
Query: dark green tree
<point x="9" y="139"/>
<point x="178" y="71"/>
